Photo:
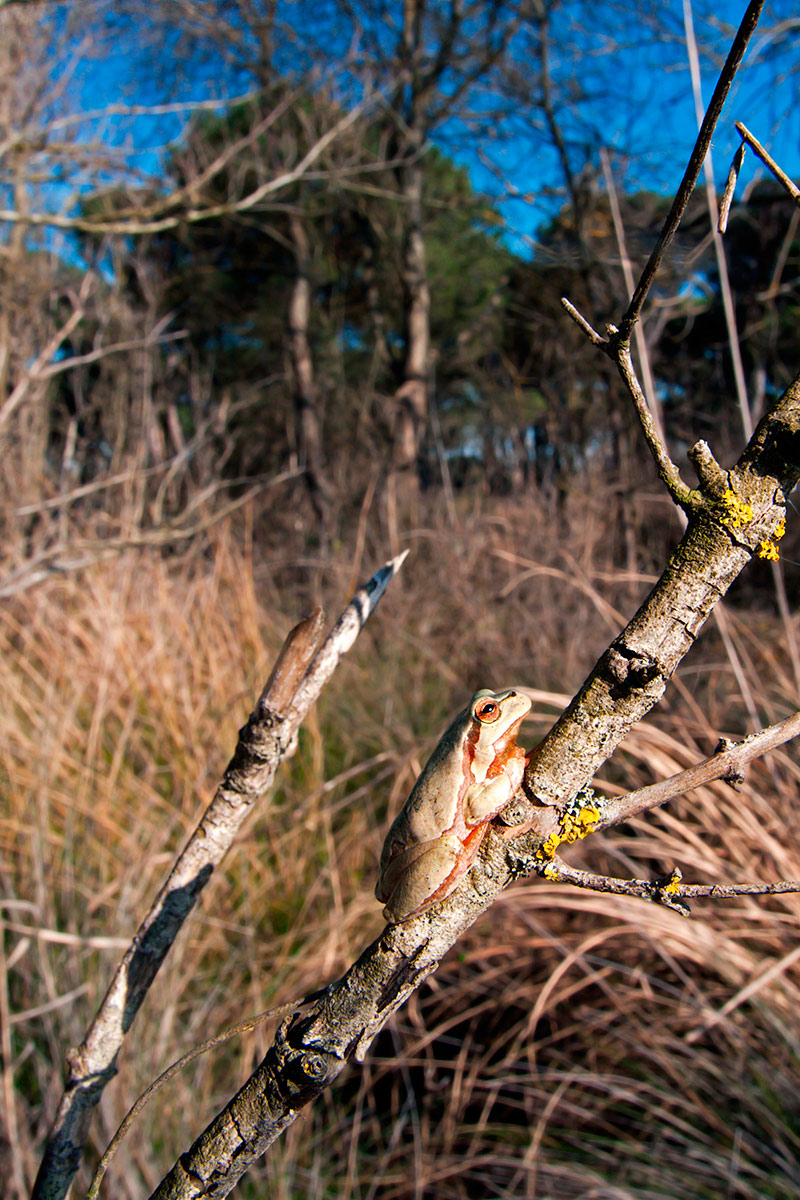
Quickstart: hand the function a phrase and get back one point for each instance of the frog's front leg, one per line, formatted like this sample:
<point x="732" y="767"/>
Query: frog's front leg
<point x="427" y="872"/>
<point x="485" y="800"/>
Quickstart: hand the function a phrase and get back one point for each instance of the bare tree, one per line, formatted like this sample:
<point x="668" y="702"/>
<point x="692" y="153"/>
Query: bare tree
<point x="435" y="58"/>
<point x="62" y="324"/>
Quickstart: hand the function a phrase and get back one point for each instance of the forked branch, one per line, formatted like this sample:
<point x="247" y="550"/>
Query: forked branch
<point x="311" y="1049"/>
<point x="590" y="812"/>
<point x="768" y="161"/>
<point x="617" y="345"/>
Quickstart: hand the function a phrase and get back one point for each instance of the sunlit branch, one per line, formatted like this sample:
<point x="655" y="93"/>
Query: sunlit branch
<point x="732" y="63"/>
<point x="768" y="161"/>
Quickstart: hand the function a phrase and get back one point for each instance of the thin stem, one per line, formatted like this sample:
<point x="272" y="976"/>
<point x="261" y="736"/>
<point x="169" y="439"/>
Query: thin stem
<point x="668" y="890"/>
<point x="668" y="472"/>
<point x="729" y="763"/>
<point x="594" y="337"/>
<point x="648" y="382"/>
<point x="730" y="187"/>
<point x="719" y="250"/>
<point x="740" y="42"/>
<point x="768" y="160"/>
<point x="283" y="1010"/>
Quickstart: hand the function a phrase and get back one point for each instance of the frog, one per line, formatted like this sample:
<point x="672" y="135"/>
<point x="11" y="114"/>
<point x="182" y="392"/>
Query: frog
<point x="469" y="778"/>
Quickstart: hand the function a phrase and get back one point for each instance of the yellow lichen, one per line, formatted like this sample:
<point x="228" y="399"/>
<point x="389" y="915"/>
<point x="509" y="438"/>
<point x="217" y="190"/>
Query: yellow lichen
<point x="579" y="819"/>
<point x="736" y="512"/>
<point x="577" y="823"/>
<point x="548" y="848"/>
<point x="673" y="883"/>
<point x="769" y="547"/>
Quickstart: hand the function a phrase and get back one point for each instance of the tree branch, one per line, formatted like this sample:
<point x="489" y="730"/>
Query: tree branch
<point x="270" y="735"/>
<point x="591" y="812"/>
<point x="723" y="533"/>
<point x="617" y="347"/>
<point x="668" y="890"/>
<point x="727" y="763"/>
<point x="312" y="1049"/>
<point x="195" y="213"/>
<point x="732" y="63"/>
<point x="768" y="161"/>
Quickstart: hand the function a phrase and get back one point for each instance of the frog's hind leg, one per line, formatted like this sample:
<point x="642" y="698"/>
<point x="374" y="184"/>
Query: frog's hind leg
<point x="432" y="875"/>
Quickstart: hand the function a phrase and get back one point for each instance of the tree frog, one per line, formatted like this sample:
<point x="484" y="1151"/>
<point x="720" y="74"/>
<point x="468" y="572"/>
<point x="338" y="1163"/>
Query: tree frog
<point x="471" y="775"/>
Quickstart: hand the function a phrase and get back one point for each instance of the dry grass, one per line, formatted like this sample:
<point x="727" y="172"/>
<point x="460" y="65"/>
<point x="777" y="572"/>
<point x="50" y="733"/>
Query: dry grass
<point x="574" y="1045"/>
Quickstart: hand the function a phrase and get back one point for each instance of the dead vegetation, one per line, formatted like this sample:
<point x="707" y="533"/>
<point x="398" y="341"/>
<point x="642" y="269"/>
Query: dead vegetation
<point x="575" y="1044"/>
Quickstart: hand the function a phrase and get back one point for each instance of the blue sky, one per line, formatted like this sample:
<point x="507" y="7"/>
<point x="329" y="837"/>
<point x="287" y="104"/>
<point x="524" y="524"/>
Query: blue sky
<point x="637" y="100"/>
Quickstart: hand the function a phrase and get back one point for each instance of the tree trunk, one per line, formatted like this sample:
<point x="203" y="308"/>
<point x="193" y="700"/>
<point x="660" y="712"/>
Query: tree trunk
<point x="411" y="398"/>
<point x="309" y="434"/>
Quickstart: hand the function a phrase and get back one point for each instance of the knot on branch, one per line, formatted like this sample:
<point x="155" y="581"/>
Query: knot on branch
<point x="300" y="1072"/>
<point x="625" y="670"/>
<point x="259" y="736"/>
<point x="665" y="890"/>
<point x="264" y="741"/>
<point x="520" y="810"/>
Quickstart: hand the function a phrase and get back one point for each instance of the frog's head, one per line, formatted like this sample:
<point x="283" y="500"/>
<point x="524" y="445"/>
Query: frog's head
<point x="497" y="713"/>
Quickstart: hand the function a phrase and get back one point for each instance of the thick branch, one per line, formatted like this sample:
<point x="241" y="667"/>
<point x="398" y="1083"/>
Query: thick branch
<point x="631" y="676"/>
<point x="269" y="736"/>
<point x="312" y="1049"/>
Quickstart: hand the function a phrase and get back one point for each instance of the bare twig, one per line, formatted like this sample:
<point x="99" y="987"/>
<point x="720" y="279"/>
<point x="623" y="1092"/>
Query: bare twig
<point x="768" y="161"/>
<point x="732" y="63"/>
<point x="719" y="250"/>
<point x="620" y="354"/>
<point x="617" y="346"/>
<point x="730" y="187"/>
<point x="648" y="383"/>
<point x="728" y="763"/>
<point x="668" y="890"/>
<point x="594" y="337"/>
<point x="268" y="737"/>
<point x="668" y="472"/>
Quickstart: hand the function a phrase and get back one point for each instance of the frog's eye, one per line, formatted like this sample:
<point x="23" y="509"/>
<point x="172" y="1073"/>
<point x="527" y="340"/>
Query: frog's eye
<point x="487" y="710"/>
